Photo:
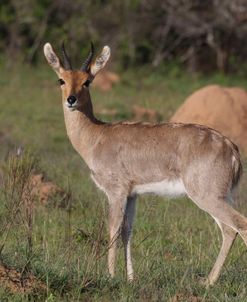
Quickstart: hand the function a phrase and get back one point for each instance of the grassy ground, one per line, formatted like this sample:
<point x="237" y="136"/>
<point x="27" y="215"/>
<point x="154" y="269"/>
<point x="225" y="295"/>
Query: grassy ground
<point x="174" y="243"/>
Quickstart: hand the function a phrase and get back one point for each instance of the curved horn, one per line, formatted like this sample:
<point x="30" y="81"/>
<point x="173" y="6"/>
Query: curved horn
<point x="88" y="60"/>
<point x="66" y="60"/>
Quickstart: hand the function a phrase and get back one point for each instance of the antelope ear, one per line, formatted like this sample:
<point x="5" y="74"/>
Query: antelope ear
<point x="100" y="61"/>
<point x="52" y="58"/>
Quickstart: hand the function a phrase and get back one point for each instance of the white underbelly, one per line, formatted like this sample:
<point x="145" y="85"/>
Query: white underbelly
<point x="165" y="187"/>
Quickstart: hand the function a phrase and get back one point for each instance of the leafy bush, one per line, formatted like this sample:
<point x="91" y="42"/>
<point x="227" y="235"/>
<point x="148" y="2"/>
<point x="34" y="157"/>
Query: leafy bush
<point x="203" y="35"/>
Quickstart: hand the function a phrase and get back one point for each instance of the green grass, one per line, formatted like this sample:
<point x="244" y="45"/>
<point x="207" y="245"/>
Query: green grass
<point x="174" y="242"/>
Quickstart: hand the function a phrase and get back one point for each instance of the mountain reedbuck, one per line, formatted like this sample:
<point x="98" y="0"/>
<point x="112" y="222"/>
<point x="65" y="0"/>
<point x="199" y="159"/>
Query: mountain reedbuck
<point x="127" y="159"/>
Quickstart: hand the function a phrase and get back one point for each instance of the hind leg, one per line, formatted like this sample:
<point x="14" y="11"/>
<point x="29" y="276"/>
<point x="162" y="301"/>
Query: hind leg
<point x="230" y="221"/>
<point x="228" y="237"/>
<point x="223" y="212"/>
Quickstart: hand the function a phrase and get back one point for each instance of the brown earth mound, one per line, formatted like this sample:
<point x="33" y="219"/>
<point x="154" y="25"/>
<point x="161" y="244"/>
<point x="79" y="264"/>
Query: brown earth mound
<point x="105" y="80"/>
<point x="43" y="189"/>
<point x="145" y="114"/>
<point x="221" y="108"/>
<point x="15" y="282"/>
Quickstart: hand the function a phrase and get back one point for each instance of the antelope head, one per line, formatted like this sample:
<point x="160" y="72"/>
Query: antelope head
<point x="75" y="83"/>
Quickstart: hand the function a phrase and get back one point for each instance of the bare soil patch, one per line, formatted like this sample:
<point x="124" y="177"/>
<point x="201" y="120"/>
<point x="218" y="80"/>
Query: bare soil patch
<point x="15" y="282"/>
<point x="43" y="189"/>
<point x="145" y="114"/>
<point x="105" y="80"/>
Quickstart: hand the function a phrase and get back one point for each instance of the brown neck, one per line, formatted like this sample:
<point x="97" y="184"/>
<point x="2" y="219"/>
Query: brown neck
<point x="87" y="110"/>
<point x="83" y="129"/>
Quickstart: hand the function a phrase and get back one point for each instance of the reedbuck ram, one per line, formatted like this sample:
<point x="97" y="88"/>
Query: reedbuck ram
<point x="127" y="159"/>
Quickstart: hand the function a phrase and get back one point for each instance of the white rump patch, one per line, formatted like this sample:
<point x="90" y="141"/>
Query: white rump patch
<point x="165" y="187"/>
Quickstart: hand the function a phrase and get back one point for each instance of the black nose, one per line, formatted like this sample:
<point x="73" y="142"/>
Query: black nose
<point x="71" y="99"/>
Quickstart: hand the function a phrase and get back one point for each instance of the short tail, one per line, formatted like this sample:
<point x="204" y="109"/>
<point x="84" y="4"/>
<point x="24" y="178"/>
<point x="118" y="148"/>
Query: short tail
<point x="237" y="166"/>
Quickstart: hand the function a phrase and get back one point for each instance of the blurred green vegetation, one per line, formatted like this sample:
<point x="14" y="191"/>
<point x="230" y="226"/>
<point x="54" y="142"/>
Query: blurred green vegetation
<point x="201" y="35"/>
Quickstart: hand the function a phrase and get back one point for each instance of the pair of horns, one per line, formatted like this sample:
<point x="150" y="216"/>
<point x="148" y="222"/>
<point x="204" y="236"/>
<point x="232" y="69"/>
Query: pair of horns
<point x="85" y="66"/>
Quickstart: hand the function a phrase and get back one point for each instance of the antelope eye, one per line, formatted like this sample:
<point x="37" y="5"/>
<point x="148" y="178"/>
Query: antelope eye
<point x="61" y="82"/>
<point x="87" y="83"/>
